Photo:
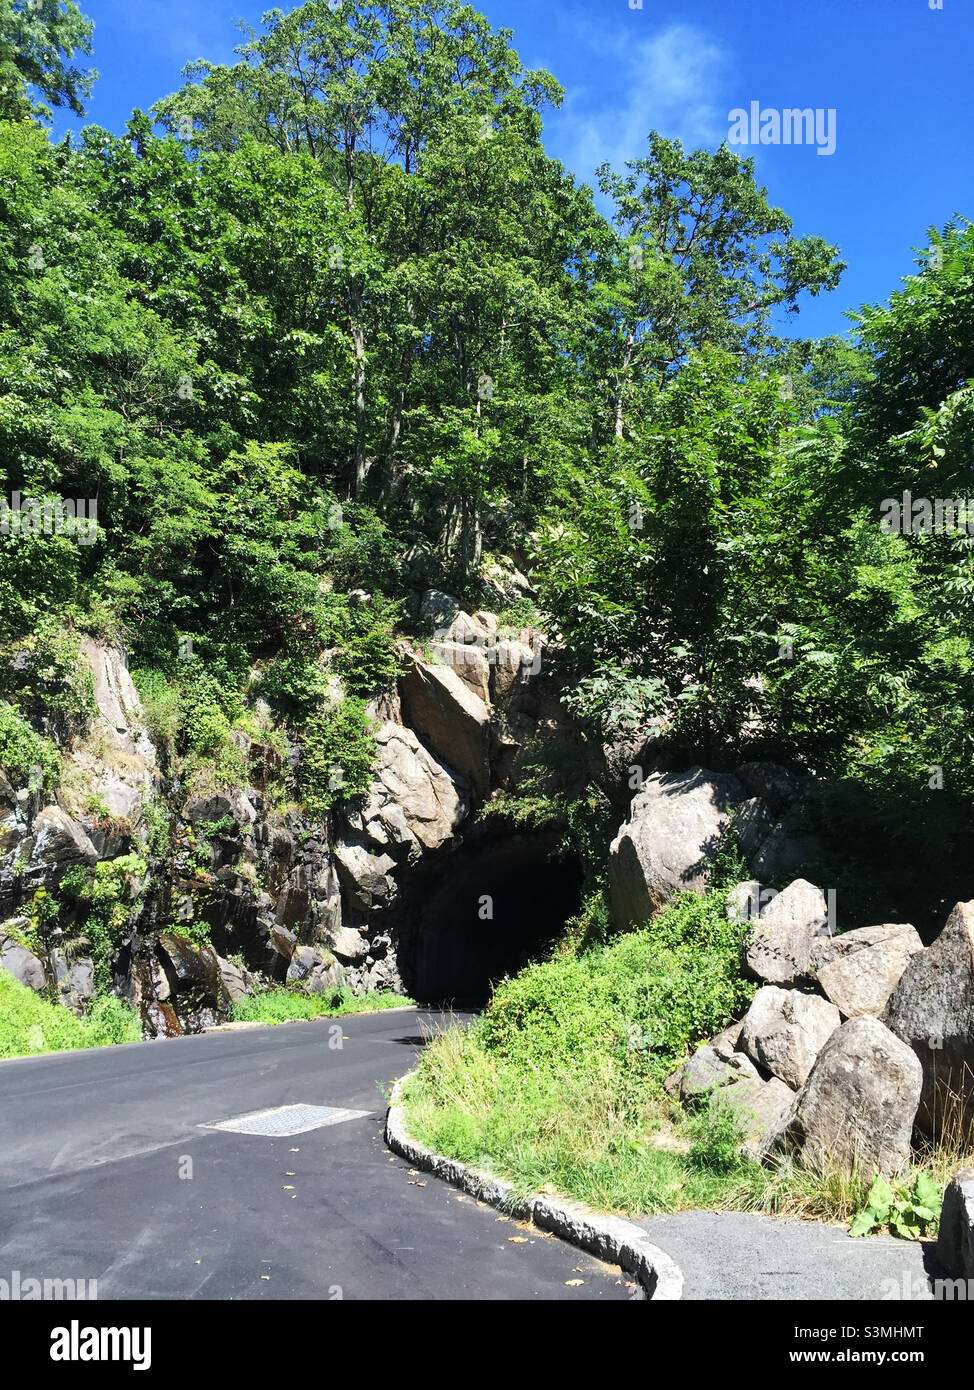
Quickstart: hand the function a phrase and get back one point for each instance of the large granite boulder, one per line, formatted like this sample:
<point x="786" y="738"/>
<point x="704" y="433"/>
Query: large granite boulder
<point x="674" y="826"/>
<point x="784" y="1031"/>
<point x="764" y="1110"/>
<point x="932" y="1009"/>
<point x="860" y="969"/>
<point x="858" y="1106"/>
<point x="778" y="945"/>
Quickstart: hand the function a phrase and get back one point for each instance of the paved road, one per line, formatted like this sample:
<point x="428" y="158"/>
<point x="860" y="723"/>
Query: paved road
<point x="95" y="1147"/>
<point x="740" y="1255"/>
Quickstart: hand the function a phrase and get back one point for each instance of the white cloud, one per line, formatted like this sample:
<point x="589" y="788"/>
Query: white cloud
<point x="668" y="82"/>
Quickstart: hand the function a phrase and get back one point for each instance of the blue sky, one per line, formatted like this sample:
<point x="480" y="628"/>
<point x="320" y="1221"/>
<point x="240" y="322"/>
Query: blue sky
<point x="897" y="73"/>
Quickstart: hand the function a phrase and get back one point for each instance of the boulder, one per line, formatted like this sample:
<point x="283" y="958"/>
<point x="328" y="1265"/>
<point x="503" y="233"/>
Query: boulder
<point x="513" y="661"/>
<point x="75" y="981"/>
<point x="860" y="969"/>
<point x="932" y="1009"/>
<point x="764" y="1109"/>
<point x="22" y="964"/>
<point x="858" y="1106"/>
<point x="753" y="823"/>
<point x="439" y="609"/>
<point x="778" y="946"/>
<point x="784" y="1031"/>
<point x="350" y="944"/>
<point x="449" y="718"/>
<point x="955" y="1243"/>
<point x="674" y="826"/>
<point x="791" y="847"/>
<point x="707" y="1070"/>
<point x="744" y="901"/>
<point x="317" y="967"/>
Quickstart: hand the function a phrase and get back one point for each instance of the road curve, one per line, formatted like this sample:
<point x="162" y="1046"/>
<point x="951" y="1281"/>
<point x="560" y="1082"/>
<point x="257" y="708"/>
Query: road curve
<point x="108" y="1172"/>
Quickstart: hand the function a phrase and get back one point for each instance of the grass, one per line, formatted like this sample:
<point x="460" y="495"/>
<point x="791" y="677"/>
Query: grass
<point x="30" y="1024"/>
<point x="558" y="1086"/>
<point x="282" y="1005"/>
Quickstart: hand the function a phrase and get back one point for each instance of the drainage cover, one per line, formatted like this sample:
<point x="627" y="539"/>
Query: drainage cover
<point x="287" y="1119"/>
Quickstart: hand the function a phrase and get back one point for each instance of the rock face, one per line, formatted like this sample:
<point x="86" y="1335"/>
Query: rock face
<point x="778" y="948"/>
<point x="59" y="844"/>
<point x="932" y="1009"/>
<point x="414" y="804"/>
<point x="955" y="1243"/>
<point x="311" y="903"/>
<point x="858" y="1107"/>
<point x="784" y="1031"/>
<point x="860" y="969"/>
<point x="450" y="719"/>
<point x="674" y="825"/>
<point x="112" y="768"/>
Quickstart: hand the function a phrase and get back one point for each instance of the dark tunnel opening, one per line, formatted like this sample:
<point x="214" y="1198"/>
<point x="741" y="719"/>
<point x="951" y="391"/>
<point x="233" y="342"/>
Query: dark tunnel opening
<point x="491" y="911"/>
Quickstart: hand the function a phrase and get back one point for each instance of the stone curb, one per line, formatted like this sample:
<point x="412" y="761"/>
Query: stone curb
<point x="607" y="1237"/>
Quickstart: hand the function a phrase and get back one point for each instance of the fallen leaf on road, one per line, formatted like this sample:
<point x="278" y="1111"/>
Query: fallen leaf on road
<point x="518" y="1240"/>
<point x="265" y="1276"/>
<point x="289" y="1174"/>
<point x="417" y="1184"/>
<point x="574" y="1283"/>
<point x="288" y="1187"/>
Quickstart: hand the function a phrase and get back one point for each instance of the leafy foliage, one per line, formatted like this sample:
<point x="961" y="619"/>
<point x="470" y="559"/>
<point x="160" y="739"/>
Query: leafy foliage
<point x="911" y="1212"/>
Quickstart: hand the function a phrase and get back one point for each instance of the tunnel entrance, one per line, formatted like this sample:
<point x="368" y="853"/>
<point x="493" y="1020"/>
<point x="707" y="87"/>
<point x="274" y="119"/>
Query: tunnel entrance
<point x="490" y="911"/>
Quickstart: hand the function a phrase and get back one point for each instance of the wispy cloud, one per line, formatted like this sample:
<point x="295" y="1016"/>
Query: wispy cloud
<point x="667" y="81"/>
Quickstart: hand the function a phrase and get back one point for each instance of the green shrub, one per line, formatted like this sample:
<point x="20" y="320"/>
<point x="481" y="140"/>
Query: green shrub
<point x="337" y="756"/>
<point x="30" y="1024"/>
<point x="27" y="758"/>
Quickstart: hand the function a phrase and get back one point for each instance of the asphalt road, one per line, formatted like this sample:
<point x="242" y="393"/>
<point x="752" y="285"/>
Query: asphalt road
<point x="107" y="1172"/>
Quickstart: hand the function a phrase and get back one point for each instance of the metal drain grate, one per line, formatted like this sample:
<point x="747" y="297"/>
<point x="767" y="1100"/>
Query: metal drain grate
<point x="287" y="1119"/>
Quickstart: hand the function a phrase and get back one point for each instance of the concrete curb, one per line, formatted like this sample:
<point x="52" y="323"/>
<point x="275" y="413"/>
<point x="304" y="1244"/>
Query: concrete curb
<point x="607" y="1237"/>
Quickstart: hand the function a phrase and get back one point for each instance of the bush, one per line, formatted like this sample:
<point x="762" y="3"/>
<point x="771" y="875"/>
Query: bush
<point x="30" y="1024"/>
<point x="27" y="758"/>
<point x="337" y="757"/>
